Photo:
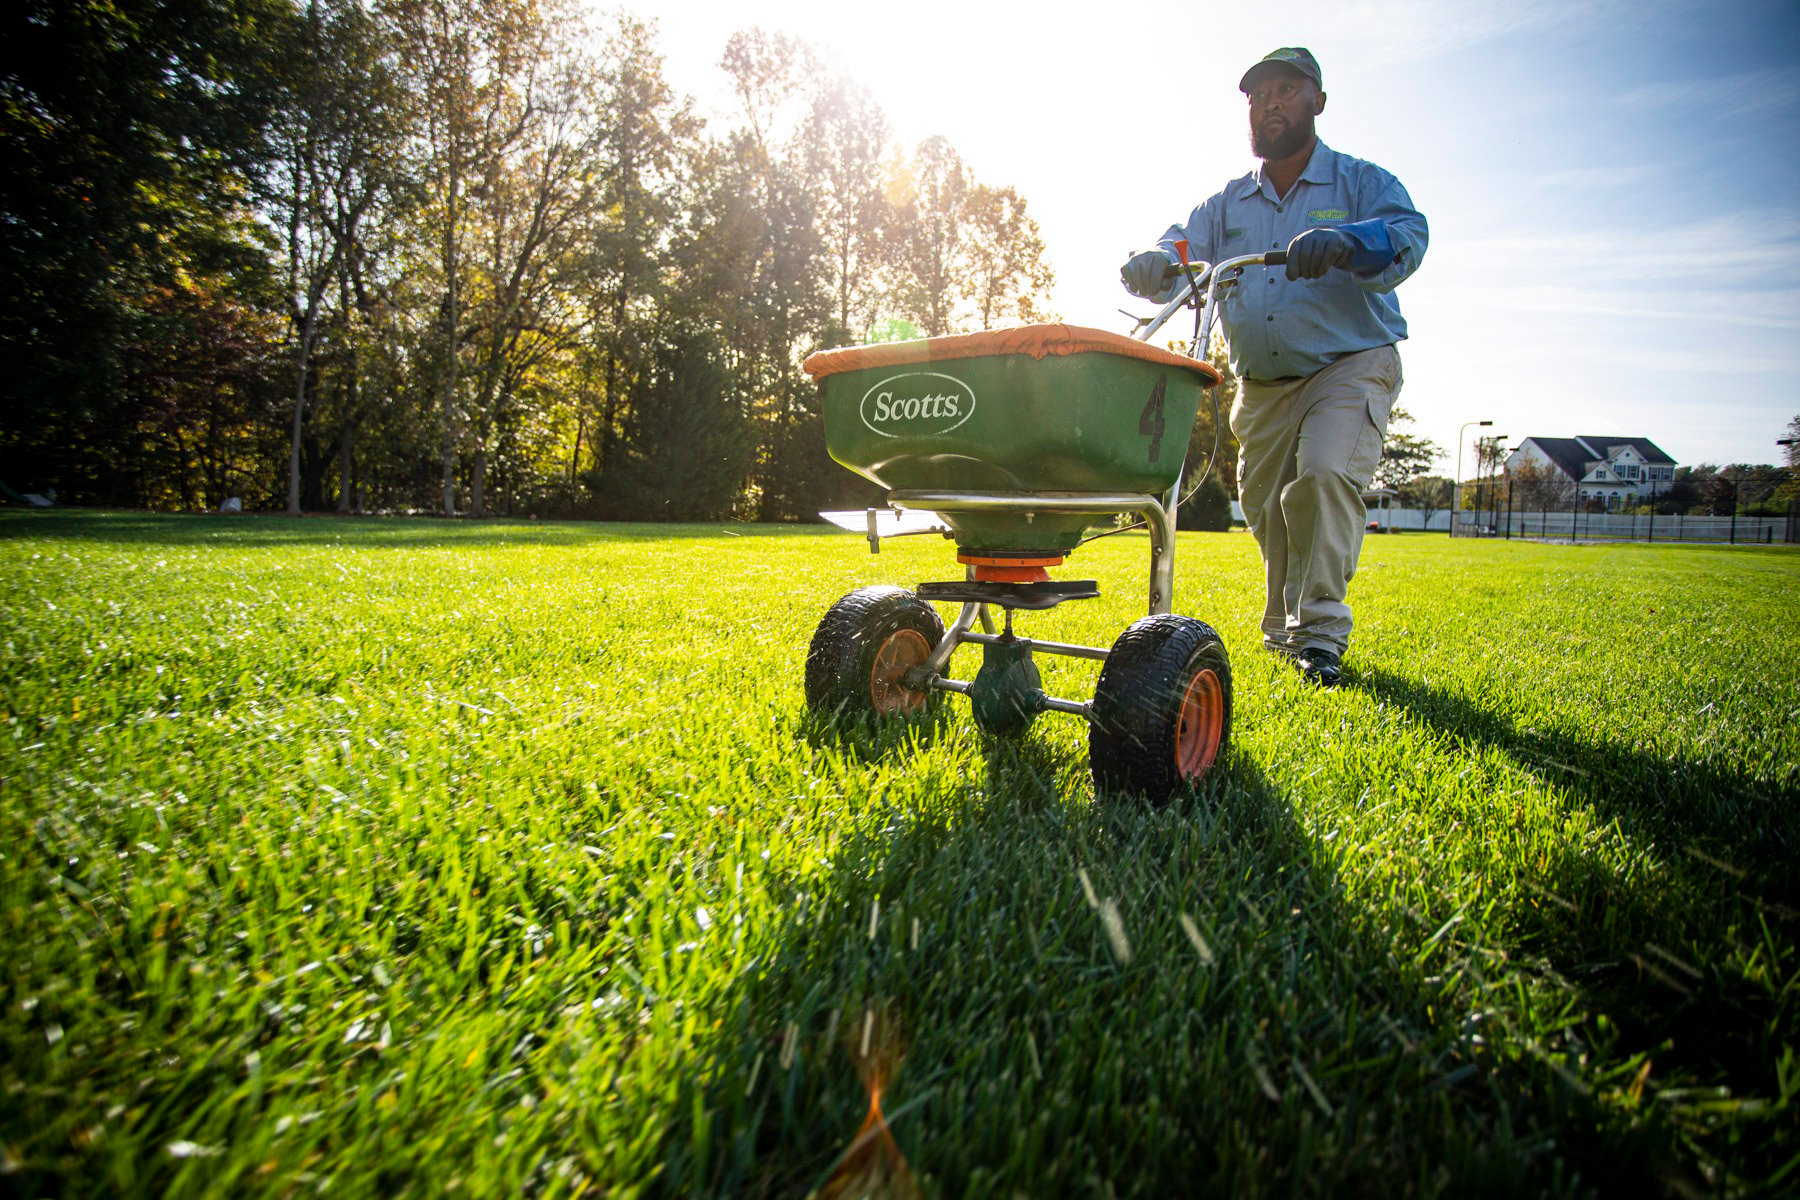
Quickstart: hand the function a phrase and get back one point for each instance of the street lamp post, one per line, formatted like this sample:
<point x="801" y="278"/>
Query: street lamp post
<point x="1509" y="505"/>
<point x="1493" y="483"/>
<point x="1461" y="437"/>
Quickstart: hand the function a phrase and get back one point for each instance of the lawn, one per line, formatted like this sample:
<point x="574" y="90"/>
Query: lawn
<point x="411" y="857"/>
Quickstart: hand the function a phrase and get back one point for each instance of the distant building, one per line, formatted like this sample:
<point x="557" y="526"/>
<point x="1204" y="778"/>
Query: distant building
<point x="1614" y="470"/>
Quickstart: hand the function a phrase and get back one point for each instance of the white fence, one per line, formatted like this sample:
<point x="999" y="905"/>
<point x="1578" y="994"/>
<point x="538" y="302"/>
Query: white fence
<point x="1412" y="520"/>
<point x="1617" y="527"/>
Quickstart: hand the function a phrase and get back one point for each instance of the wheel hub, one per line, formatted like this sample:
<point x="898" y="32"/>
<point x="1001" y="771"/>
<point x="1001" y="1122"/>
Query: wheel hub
<point x="900" y="653"/>
<point x="1198" y="729"/>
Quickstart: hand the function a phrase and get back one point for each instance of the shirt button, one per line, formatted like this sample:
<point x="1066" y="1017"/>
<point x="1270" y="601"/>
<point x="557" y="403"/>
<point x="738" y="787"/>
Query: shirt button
<point x="1279" y="208"/>
<point x="1271" y="318"/>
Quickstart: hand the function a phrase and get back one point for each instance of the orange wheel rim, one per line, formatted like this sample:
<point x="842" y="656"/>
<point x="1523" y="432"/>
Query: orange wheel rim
<point x="900" y="653"/>
<point x="1202" y="725"/>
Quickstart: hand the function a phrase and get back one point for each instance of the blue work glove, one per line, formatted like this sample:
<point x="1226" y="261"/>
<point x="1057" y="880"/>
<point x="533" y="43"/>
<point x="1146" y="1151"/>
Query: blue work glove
<point x="1147" y="274"/>
<point x="1317" y="251"/>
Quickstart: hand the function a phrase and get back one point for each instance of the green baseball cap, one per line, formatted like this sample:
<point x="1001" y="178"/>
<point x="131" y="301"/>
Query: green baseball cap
<point x="1297" y="57"/>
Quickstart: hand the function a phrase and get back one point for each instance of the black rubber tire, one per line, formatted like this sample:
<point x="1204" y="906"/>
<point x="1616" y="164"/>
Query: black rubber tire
<point x="841" y="662"/>
<point x="1135" y="733"/>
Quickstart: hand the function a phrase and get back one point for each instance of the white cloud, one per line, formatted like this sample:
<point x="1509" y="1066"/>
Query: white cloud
<point x="1743" y="94"/>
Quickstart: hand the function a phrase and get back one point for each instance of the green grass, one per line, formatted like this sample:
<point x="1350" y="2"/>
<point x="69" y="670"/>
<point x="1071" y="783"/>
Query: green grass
<point x="408" y="857"/>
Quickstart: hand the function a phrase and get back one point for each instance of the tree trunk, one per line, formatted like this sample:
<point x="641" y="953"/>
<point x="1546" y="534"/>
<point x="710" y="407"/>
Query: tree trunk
<point x="478" y="482"/>
<point x="187" y="473"/>
<point x="449" y="479"/>
<point x="306" y="340"/>
<point x="346" y="482"/>
<point x="451" y="339"/>
<point x="604" y="443"/>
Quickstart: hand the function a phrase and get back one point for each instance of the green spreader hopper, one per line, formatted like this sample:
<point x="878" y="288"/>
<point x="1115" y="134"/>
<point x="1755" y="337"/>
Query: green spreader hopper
<point x="1038" y="410"/>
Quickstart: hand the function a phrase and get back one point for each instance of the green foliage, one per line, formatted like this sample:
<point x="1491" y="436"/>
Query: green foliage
<point x="1404" y="456"/>
<point x="689" y="446"/>
<point x="406" y="857"/>
<point x="127" y="132"/>
<point x="1428" y="493"/>
<point x="445" y="241"/>
<point x="1209" y="507"/>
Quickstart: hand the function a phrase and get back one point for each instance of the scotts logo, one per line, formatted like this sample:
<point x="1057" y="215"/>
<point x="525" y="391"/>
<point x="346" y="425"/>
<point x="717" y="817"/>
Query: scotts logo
<point x="917" y="404"/>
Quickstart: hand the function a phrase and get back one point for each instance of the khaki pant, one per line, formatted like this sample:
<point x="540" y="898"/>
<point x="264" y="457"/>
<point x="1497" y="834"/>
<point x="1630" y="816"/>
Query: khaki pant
<point x="1307" y="449"/>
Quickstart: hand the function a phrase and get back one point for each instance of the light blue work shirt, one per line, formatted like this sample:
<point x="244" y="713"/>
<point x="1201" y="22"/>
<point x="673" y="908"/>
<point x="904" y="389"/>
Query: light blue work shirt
<point x="1279" y="329"/>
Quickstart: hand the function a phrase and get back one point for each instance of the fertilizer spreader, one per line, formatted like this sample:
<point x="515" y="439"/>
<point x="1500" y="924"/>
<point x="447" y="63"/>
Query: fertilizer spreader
<point x="1017" y="441"/>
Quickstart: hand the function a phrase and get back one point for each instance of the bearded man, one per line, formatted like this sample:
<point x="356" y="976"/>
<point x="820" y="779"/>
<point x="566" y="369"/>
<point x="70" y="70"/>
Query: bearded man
<point x="1314" y="351"/>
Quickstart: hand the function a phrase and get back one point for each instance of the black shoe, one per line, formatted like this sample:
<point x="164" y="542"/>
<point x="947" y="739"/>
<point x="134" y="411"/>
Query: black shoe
<point x="1318" y="665"/>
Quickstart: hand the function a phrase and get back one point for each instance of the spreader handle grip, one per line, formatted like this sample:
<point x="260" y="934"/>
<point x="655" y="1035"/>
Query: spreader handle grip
<point x="1275" y="258"/>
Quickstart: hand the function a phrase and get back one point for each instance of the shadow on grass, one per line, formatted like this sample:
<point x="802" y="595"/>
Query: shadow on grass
<point x="1691" y="959"/>
<point x="1061" y="997"/>
<point x="1750" y="827"/>
<point x="869" y="741"/>
<point x="395" y="533"/>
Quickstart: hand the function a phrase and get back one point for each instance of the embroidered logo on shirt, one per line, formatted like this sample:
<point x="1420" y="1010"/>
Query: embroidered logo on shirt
<point x="1329" y="214"/>
<point x="1234" y="235"/>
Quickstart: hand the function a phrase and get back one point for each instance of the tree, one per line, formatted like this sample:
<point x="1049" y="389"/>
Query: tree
<point x="1756" y="486"/>
<point x="1212" y="448"/>
<point x="933" y="245"/>
<point x="532" y="229"/>
<point x="1404" y="456"/>
<point x="127" y="131"/>
<point x="845" y="147"/>
<point x="646" y="136"/>
<point x="767" y="255"/>
<point x="1430" y="494"/>
<point x="1489" y="453"/>
<point x="1008" y="275"/>
<point x="339" y="138"/>
<point x="688" y="446"/>
<point x="439" y="250"/>
<point x="1792" y="449"/>
<point x="196" y="382"/>
<point x="1541" y="487"/>
<point x="475" y="68"/>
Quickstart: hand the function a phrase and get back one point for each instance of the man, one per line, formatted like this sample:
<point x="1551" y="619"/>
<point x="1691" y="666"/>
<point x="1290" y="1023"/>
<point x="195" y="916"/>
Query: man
<point x="1313" y="348"/>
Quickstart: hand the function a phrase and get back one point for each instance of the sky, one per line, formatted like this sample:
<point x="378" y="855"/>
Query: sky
<point x="1613" y="186"/>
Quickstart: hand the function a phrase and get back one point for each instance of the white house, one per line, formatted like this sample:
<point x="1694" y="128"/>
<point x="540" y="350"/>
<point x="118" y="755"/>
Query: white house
<point x="1610" y="469"/>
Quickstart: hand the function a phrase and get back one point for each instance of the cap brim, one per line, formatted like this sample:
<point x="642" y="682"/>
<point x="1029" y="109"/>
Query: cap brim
<point x="1244" y="83"/>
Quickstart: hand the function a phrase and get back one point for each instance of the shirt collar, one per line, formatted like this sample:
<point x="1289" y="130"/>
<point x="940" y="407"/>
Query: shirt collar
<point x="1320" y="168"/>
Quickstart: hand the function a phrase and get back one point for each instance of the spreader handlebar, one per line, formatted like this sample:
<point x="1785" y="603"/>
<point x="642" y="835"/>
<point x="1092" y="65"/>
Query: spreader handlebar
<point x="1199" y="283"/>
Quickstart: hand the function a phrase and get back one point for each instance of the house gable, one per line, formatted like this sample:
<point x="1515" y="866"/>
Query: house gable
<point x="1607" y="447"/>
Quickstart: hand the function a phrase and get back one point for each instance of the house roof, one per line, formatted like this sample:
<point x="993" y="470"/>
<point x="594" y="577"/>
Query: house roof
<point x="1648" y="450"/>
<point x="1572" y="455"/>
<point x="1569" y="455"/>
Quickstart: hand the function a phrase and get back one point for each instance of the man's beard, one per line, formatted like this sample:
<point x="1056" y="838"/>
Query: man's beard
<point x="1292" y="138"/>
